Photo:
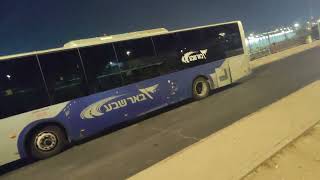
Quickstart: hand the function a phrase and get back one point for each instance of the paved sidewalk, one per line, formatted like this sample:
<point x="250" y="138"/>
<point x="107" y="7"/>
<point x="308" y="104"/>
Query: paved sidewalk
<point x="298" y="161"/>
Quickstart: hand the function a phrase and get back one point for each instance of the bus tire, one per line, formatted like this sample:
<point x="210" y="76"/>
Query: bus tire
<point x="200" y="88"/>
<point x="47" y="142"/>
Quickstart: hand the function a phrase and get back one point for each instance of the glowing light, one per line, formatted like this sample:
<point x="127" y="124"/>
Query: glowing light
<point x="222" y="34"/>
<point x="8" y="76"/>
<point x="128" y="53"/>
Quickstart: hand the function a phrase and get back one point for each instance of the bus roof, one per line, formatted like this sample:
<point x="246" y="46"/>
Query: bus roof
<point x="110" y="39"/>
<point x="117" y="37"/>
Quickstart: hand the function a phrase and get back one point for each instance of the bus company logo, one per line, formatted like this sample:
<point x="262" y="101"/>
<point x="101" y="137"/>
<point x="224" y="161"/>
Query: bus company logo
<point x="194" y="56"/>
<point x="109" y="104"/>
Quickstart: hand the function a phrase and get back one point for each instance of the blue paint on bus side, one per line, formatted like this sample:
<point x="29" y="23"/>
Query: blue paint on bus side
<point x="90" y="115"/>
<point x="172" y="88"/>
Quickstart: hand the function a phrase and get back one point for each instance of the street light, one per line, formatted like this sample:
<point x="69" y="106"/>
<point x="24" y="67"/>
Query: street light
<point x="296" y="25"/>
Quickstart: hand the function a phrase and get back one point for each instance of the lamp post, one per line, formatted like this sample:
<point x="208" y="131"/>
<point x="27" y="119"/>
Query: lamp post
<point x="270" y="45"/>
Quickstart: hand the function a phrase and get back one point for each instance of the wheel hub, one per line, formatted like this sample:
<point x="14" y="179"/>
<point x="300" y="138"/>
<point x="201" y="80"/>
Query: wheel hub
<point x="46" y="141"/>
<point x="199" y="88"/>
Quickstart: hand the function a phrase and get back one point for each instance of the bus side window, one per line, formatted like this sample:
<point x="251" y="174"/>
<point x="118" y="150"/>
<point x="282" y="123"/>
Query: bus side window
<point x="232" y="42"/>
<point x="64" y="75"/>
<point x="191" y="40"/>
<point x="102" y="67"/>
<point x="169" y="52"/>
<point x="137" y="60"/>
<point x="224" y="41"/>
<point x="213" y="39"/>
<point x="22" y="87"/>
<point x="195" y="41"/>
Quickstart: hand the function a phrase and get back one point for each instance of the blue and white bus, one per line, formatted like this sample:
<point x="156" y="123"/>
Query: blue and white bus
<point x="51" y="98"/>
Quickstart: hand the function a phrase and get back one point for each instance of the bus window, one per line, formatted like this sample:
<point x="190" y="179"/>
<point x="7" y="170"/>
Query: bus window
<point x="219" y="42"/>
<point x="191" y="40"/>
<point x="22" y="87"/>
<point x="101" y="67"/>
<point x="169" y="52"/>
<point x="64" y="75"/>
<point x="233" y="42"/>
<point x="137" y="60"/>
<point x="227" y="37"/>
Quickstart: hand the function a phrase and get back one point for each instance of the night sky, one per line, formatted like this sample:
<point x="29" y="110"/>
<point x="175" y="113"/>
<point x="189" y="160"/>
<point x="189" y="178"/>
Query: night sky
<point x="27" y="25"/>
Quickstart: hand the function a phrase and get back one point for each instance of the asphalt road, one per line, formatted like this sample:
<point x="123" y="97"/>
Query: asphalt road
<point x="125" y="152"/>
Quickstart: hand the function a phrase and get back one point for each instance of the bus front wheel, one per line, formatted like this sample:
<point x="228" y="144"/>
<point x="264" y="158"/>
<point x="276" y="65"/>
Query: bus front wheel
<point x="47" y="142"/>
<point x="200" y="88"/>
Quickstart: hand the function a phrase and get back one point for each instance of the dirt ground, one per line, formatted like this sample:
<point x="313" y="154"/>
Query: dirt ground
<point x="298" y="161"/>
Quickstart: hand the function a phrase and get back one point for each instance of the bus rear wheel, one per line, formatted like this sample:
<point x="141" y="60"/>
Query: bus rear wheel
<point x="47" y="142"/>
<point x="200" y="88"/>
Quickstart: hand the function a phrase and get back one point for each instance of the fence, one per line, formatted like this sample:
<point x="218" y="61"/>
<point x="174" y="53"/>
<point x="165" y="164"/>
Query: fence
<point x="281" y="39"/>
